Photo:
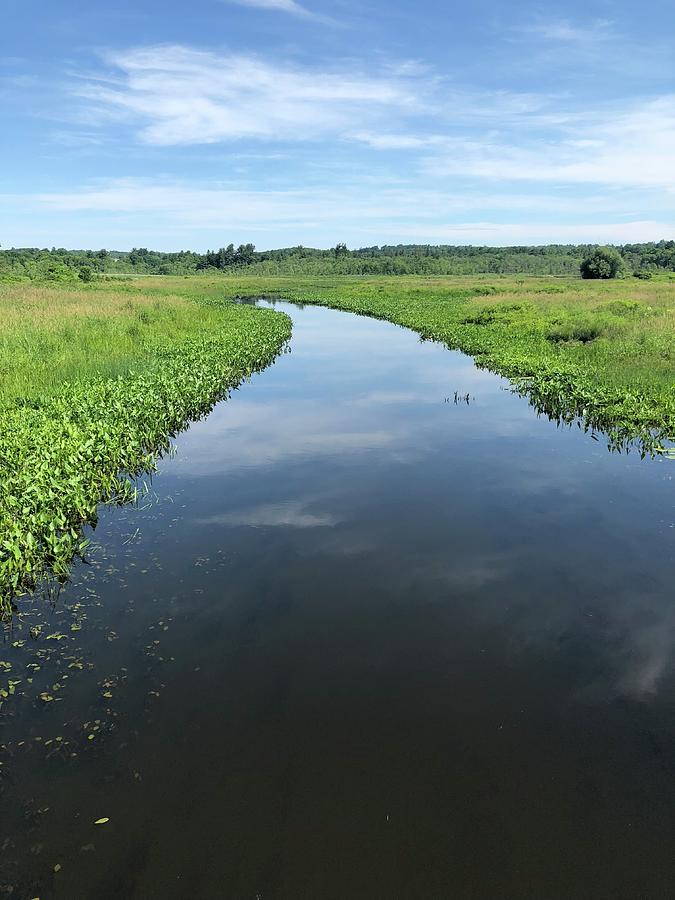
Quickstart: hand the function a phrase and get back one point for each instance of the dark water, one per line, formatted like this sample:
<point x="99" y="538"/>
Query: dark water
<point x="358" y="642"/>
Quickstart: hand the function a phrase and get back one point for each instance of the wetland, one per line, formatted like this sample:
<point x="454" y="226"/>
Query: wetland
<point x="355" y="639"/>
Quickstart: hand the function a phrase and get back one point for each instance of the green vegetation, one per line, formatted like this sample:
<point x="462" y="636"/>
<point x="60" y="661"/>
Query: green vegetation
<point x="603" y="262"/>
<point x="60" y="265"/>
<point x="95" y="384"/>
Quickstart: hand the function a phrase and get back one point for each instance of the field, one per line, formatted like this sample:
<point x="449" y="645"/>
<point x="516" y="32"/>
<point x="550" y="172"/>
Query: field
<point x="96" y="378"/>
<point x="50" y="335"/>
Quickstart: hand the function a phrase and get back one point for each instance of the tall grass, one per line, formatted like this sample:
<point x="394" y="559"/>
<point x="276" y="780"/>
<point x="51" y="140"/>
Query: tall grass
<point x="49" y="336"/>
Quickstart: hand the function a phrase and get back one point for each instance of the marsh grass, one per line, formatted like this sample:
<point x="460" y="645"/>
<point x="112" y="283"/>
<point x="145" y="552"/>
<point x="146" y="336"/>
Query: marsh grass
<point x="49" y="335"/>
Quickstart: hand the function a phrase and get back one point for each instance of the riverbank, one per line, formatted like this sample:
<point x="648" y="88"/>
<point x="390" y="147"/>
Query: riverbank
<point x="598" y="352"/>
<point x="93" y="395"/>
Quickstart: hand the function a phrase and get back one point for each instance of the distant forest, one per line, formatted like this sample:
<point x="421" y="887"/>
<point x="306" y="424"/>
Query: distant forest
<point x="402" y="259"/>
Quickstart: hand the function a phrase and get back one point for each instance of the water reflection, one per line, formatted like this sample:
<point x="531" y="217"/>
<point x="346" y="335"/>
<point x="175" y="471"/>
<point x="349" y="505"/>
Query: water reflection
<point x="365" y="643"/>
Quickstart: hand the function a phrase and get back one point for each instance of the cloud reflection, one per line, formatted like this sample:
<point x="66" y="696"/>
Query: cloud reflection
<point x="289" y="514"/>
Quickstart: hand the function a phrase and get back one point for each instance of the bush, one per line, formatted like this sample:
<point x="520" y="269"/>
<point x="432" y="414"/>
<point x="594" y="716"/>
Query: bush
<point x="603" y="262"/>
<point x="578" y="330"/>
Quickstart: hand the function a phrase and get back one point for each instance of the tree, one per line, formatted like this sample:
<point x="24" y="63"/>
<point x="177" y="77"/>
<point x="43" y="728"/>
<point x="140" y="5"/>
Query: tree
<point x="340" y="250"/>
<point x="244" y="254"/>
<point x="603" y="262"/>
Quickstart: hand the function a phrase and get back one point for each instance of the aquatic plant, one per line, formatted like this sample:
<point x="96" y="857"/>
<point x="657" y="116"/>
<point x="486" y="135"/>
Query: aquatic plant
<point x="62" y="455"/>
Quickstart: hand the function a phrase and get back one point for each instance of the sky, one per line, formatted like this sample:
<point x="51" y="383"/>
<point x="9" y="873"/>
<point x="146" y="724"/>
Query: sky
<point x="175" y="125"/>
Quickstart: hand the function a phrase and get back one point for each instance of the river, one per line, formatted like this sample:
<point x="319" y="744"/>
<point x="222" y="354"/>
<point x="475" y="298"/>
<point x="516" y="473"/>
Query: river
<point x="375" y="630"/>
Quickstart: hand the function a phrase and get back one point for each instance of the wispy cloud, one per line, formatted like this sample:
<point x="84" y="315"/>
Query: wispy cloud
<point x="284" y="6"/>
<point x="633" y="147"/>
<point x="543" y="232"/>
<point x="201" y="215"/>
<point x="288" y="514"/>
<point x="565" y="31"/>
<point x="177" y="95"/>
<point x="216" y="205"/>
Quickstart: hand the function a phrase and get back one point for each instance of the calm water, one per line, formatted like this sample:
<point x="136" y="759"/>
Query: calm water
<point x="358" y="642"/>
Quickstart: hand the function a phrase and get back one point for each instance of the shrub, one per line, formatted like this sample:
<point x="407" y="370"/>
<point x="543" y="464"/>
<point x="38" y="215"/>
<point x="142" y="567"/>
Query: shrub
<point x="626" y="309"/>
<point x="603" y="262"/>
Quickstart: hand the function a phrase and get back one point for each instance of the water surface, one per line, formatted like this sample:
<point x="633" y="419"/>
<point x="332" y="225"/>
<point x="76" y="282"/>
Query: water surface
<point x="359" y="641"/>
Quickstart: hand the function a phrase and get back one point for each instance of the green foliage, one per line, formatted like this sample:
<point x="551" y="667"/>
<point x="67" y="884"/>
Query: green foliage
<point x="62" y="455"/>
<point x="50" y="334"/>
<point x="401" y="259"/>
<point x="580" y="328"/>
<point x="627" y="309"/>
<point x="603" y="262"/>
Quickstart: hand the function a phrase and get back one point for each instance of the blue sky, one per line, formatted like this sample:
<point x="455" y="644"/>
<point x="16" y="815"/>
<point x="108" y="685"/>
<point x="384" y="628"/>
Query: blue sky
<point x="175" y="125"/>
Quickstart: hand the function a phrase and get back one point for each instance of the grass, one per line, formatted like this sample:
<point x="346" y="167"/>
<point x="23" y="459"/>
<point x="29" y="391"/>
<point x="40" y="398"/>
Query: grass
<point x="49" y="335"/>
<point x="123" y="379"/>
<point x="95" y="379"/>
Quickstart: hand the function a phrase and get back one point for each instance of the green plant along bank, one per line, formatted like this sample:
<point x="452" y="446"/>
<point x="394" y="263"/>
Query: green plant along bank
<point x="62" y="455"/>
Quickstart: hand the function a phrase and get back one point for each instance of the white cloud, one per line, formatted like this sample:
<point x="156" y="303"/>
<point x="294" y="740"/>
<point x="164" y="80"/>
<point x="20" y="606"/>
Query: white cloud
<point x="183" y="214"/>
<point x="177" y="95"/>
<point x="537" y="233"/>
<point x="564" y="31"/>
<point x="216" y="204"/>
<point x="634" y="147"/>
<point x="389" y="141"/>
<point x="285" y="6"/>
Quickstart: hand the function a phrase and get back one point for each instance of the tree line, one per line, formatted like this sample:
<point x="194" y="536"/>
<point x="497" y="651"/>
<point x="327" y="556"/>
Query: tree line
<point x="59" y="264"/>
